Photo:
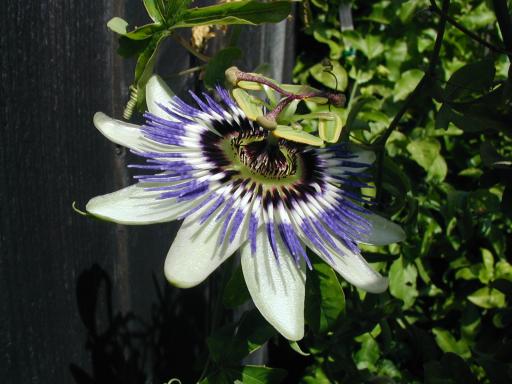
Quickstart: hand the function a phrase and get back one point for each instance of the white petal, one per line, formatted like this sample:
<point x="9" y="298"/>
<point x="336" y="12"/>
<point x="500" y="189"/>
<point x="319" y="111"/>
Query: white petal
<point x="128" y="135"/>
<point x="351" y="266"/>
<point x="119" y="132"/>
<point x="276" y="289"/>
<point x="157" y="92"/>
<point x="195" y="252"/>
<point x="383" y="232"/>
<point x="134" y="205"/>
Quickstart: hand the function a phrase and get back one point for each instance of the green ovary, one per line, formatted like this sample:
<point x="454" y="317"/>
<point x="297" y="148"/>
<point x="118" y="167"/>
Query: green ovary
<point x="272" y="166"/>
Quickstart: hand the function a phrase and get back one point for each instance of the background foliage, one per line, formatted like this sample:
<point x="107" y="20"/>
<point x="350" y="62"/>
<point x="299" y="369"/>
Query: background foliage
<point x="429" y="89"/>
<point x="444" y="173"/>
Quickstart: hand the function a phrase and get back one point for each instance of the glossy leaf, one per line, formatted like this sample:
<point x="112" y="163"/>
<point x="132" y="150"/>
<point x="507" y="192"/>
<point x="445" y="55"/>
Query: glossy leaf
<point x="152" y="7"/>
<point x="325" y="301"/>
<point x="239" y="12"/>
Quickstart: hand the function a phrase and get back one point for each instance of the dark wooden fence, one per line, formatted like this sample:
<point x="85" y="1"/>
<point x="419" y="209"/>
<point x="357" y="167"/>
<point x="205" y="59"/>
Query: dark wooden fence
<point x="80" y="300"/>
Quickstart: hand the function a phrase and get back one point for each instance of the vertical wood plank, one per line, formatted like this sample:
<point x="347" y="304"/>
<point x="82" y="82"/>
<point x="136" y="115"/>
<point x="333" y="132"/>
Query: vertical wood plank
<point x="53" y="80"/>
<point x="58" y="67"/>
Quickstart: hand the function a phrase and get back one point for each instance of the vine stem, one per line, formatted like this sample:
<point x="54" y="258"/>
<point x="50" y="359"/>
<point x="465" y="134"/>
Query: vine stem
<point x="505" y="22"/>
<point x="434" y="58"/>
<point x="337" y="99"/>
<point x="184" y="43"/>
<point x="466" y="31"/>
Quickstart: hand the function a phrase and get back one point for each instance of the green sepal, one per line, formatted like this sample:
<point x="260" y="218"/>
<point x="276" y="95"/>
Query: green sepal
<point x="297" y="135"/>
<point x="330" y="126"/>
<point x="249" y="104"/>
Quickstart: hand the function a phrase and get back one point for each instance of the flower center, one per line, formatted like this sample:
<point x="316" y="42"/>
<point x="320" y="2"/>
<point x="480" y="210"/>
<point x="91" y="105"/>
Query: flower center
<point x="262" y="157"/>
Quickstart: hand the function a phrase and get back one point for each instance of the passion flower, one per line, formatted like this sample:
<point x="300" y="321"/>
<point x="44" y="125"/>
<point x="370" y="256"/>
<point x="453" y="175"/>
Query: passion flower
<point x="237" y="186"/>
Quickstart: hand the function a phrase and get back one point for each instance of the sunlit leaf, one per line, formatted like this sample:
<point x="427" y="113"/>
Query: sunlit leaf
<point x="402" y="282"/>
<point x="406" y="84"/>
<point x="238" y="12"/>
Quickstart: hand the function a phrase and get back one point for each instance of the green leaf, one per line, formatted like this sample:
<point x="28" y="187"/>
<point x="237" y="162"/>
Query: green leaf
<point x="356" y="106"/>
<point x="368" y="354"/>
<point x="220" y="377"/>
<point x="235" y="292"/>
<point x="331" y="37"/>
<point x="473" y="78"/>
<point x="218" y="64"/>
<point x="118" y="25"/>
<point x="370" y="45"/>
<point x="144" y="32"/>
<point x="448" y="343"/>
<point x="252" y="374"/>
<point x="408" y="81"/>
<point x="487" y="272"/>
<point x="144" y="67"/>
<point x="426" y="152"/>
<point x="479" y="17"/>
<point x="153" y="10"/>
<point x="239" y="12"/>
<point x="235" y="341"/>
<point x="325" y="301"/>
<point x="315" y="375"/>
<point x="402" y="282"/>
<point x="488" y="297"/>
<point x="335" y="78"/>
<point x="130" y="48"/>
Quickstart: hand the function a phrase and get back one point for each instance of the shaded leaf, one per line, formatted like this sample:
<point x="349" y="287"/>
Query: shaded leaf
<point x="236" y="292"/>
<point x="235" y="341"/>
<point x="218" y="64"/>
<point x="325" y="301"/>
